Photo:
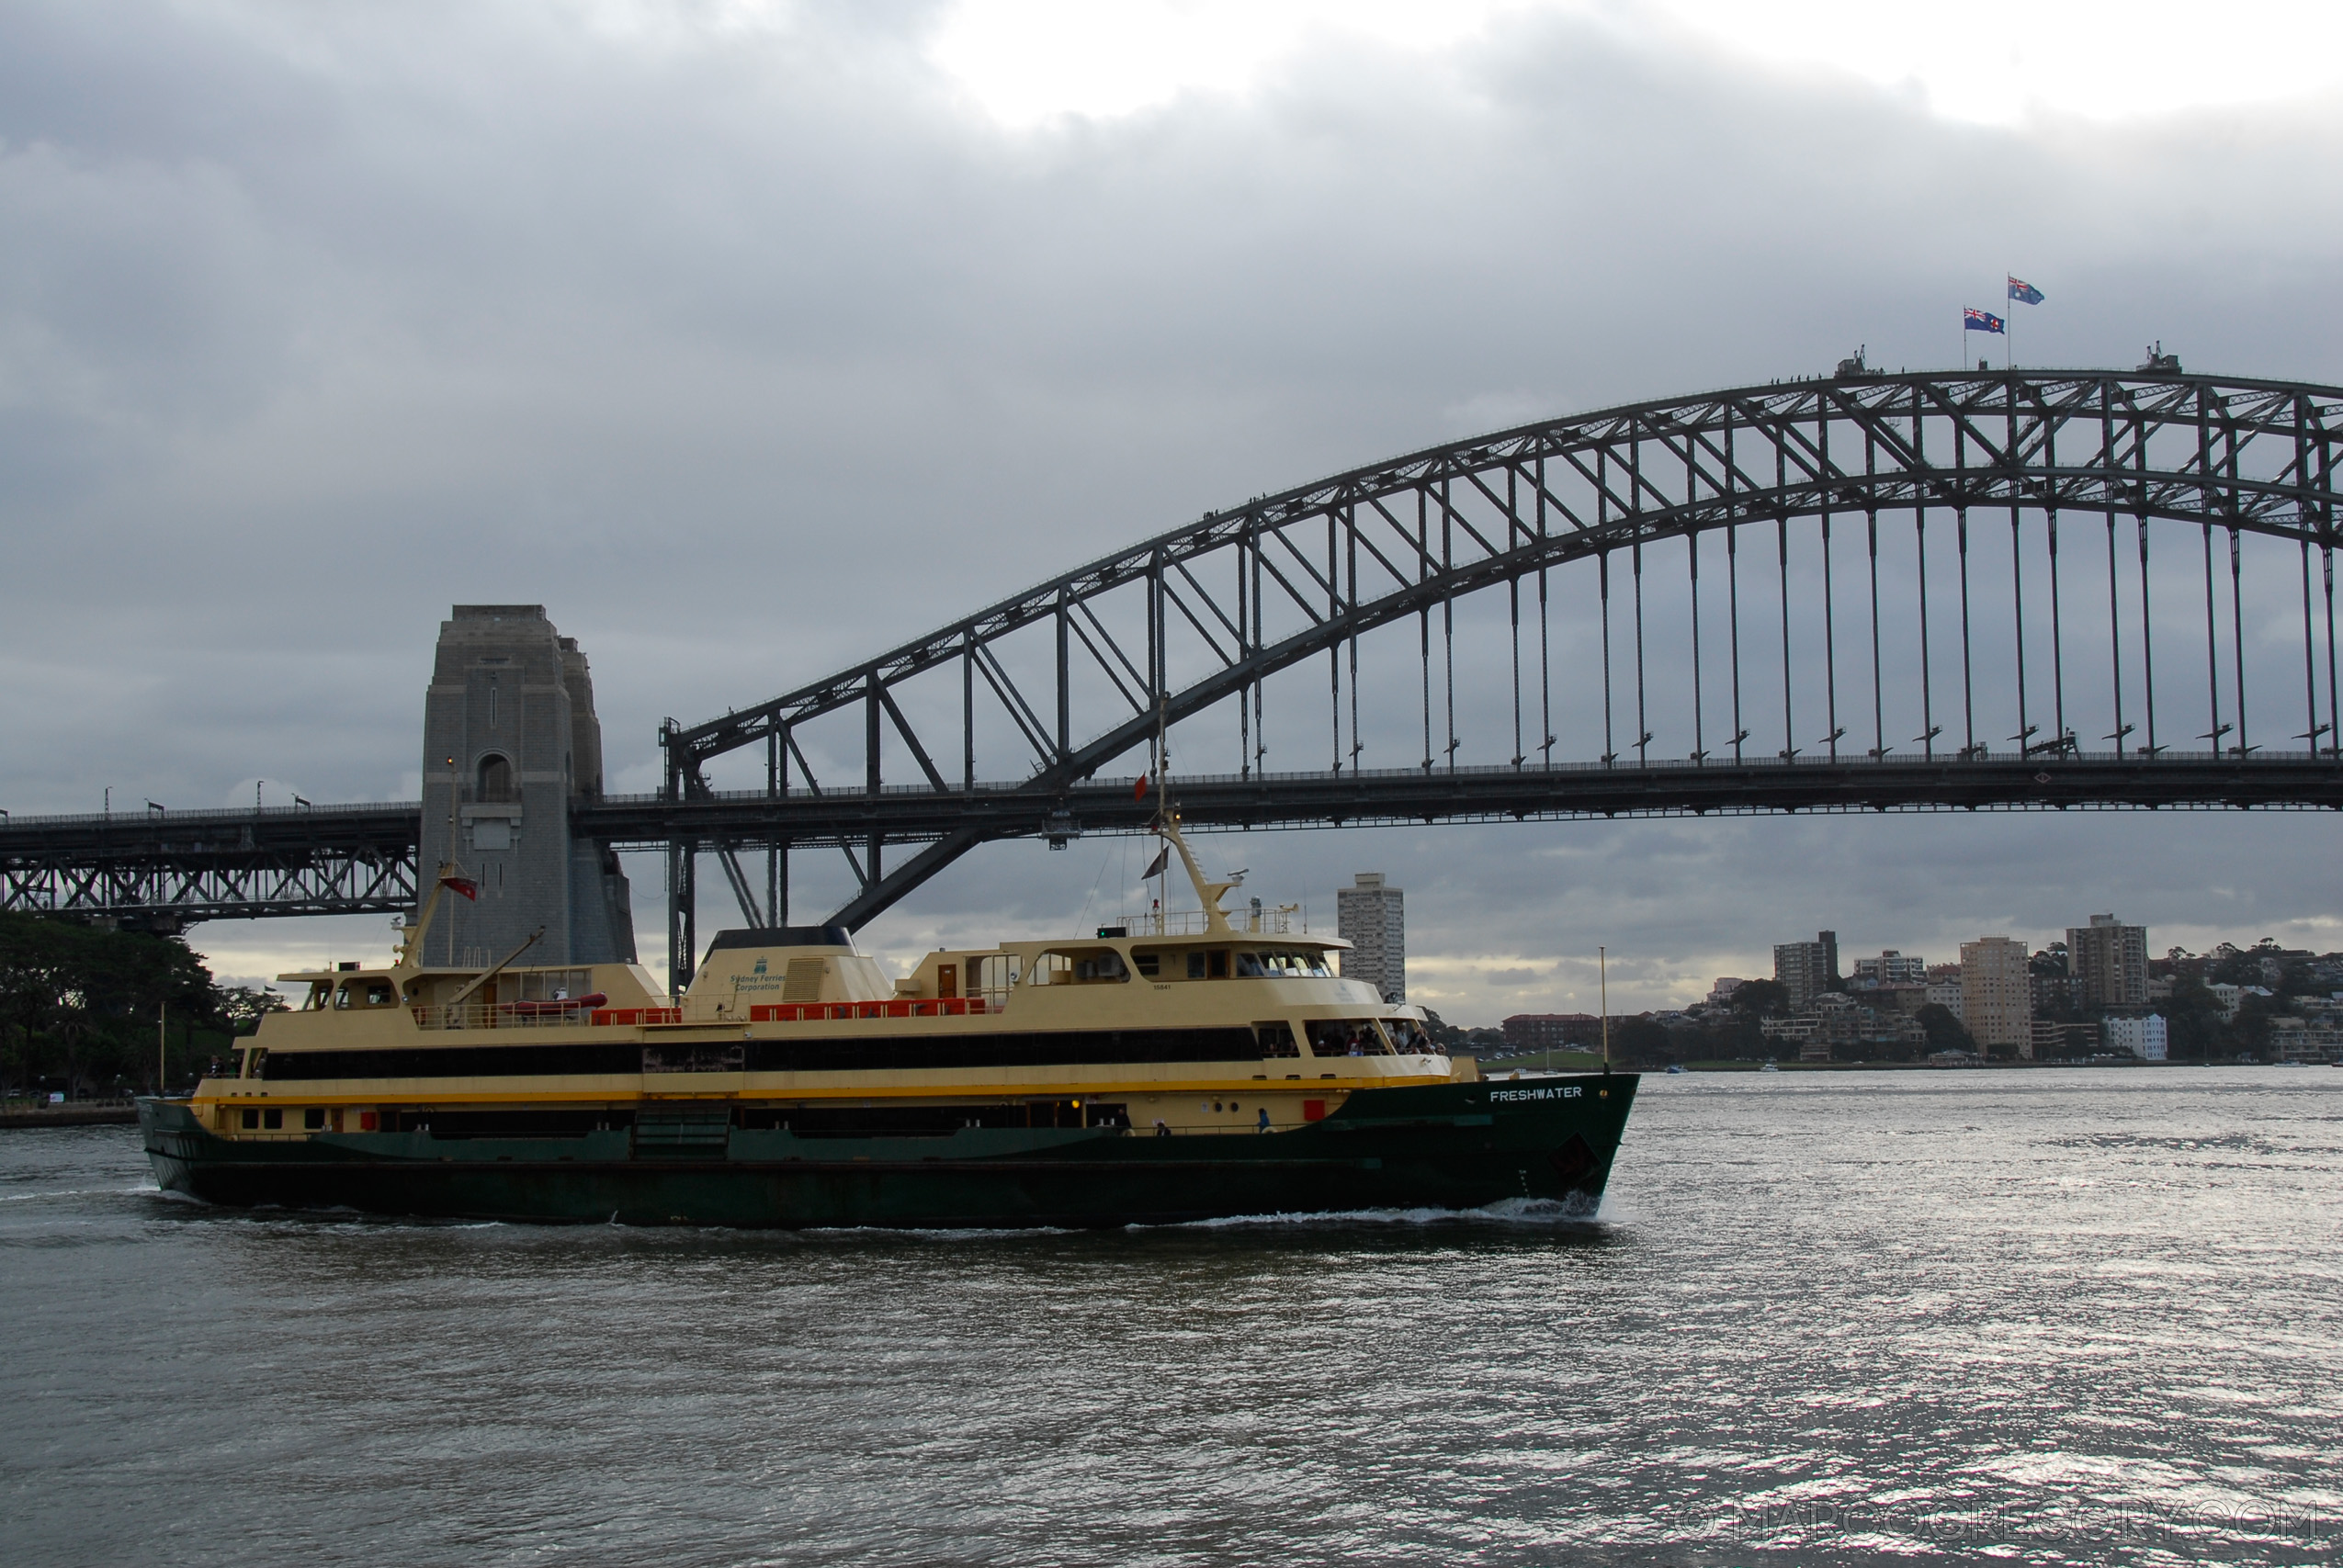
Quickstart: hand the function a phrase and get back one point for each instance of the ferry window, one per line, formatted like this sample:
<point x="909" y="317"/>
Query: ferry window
<point x="315" y="1120"/>
<point x="1346" y="1037"/>
<point x="991" y="977"/>
<point x="1196" y="966"/>
<point x="1276" y="1038"/>
<point x="272" y="1121"/>
<point x="1107" y="966"/>
<point x="342" y="995"/>
<point x="320" y="993"/>
<point x="1408" y="1037"/>
<point x="1283" y="965"/>
<point x="251" y="1121"/>
<point x="1218" y="960"/>
<point x="379" y="994"/>
<point x="1147" y="962"/>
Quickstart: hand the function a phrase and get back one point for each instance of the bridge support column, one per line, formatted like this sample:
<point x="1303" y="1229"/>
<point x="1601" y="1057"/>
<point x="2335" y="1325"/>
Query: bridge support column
<point x="682" y="901"/>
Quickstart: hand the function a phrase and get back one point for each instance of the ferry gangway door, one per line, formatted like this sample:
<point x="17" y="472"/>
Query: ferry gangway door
<point x="683" y="1132"/>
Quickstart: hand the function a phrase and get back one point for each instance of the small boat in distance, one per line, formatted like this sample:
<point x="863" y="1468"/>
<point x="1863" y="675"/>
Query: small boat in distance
<point x="1160" y="1070"/>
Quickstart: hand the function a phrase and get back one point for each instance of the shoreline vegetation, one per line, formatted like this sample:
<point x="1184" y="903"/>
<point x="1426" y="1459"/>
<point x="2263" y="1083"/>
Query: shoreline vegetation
<point x="98" y="1014"/>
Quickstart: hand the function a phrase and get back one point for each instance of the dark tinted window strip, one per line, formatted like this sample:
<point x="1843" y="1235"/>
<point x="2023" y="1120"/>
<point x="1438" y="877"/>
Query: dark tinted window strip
<point x="1048" y="1049"/>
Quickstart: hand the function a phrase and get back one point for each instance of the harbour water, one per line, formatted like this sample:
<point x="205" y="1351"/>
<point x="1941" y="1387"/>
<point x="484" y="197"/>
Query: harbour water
<point x="2053" y="1318"/>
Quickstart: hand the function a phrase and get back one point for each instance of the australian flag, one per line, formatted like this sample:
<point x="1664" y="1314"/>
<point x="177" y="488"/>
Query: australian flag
<point x="2024" y="293"/>
<point x="1981" y="322"/>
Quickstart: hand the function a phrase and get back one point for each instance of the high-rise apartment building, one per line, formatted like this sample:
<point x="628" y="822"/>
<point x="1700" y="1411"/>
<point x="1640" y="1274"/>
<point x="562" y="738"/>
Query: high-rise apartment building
<point x="2110" y="960"/>
<point x="1893" y="968"/>
<point x="1806" y="969"/>
<point x="1996" y="999"/>
<point x="1369" y="915"/>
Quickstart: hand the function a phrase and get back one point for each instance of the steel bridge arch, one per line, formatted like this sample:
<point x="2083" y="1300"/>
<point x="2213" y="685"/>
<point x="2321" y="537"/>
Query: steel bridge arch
<point x="2253" y="459"/>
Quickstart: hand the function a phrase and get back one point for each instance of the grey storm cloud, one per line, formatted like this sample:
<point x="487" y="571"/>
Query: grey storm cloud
<point x="749" y="350"/>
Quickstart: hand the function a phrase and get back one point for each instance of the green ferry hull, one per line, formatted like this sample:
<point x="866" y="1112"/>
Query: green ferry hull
<point x="1460" y="1145"/>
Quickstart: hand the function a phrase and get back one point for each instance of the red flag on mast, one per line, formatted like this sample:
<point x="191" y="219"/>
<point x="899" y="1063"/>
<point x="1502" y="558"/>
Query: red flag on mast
<point x="463" y="885"/>
<point x="1140" y="793"/>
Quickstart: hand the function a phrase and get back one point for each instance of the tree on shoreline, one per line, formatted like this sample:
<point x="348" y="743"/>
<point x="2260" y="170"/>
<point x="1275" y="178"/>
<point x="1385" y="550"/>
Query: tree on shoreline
<point x="78" y="1004"/>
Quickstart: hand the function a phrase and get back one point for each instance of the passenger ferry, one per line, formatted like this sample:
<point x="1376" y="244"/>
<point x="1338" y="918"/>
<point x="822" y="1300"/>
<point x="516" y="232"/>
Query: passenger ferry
<point x="1160" y="1070"/>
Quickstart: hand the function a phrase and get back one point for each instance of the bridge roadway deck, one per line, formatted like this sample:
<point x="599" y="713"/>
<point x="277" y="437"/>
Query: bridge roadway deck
<point x="1673" y="788"/>
<point x="361" y="858"/>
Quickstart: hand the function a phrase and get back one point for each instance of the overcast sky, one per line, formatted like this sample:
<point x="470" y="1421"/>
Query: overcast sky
<point x="750" y="338"/>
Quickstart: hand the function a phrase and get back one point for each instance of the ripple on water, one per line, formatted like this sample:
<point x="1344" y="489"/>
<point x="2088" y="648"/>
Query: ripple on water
<point x="1899" y="1318"/>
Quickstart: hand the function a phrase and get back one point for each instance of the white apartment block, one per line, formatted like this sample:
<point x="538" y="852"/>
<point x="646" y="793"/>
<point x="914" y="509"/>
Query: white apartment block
<point x="1893" y="968"/>
<point x="2146" y="1038"/>
<point x="1370" y="915"/>
<point x="1946" y="994"/>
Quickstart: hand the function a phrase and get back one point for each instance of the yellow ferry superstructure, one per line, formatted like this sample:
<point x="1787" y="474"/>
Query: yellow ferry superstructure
<point x="797" y="1082"/>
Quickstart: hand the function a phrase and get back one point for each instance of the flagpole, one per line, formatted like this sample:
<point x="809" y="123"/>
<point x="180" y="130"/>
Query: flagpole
<point x="1163" y="812"/>
<point x="455" y="795"/>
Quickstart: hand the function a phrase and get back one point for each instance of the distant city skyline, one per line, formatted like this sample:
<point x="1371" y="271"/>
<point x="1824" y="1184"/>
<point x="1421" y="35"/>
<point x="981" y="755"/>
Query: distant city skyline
<point x="819" y="327"/>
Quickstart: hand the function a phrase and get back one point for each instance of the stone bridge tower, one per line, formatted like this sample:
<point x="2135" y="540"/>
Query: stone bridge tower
<point x="510" y="739"/>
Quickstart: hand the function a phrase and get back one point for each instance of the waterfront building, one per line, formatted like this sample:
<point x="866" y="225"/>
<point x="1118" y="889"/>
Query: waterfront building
<point x="2299" y="1040"/>
<point x="1997" y="1003"/>
<point x="2148" y="1038"/>
<point x="1892" y="968"/>
<point x="1806" y="969"/>
<point x="1945" y="992"/>
<point x="2055" y="991"/>
<point x="510" y="739"/>
<point x="1720" y="995"/>
<point x="1370" y="916"/>
<point x="1553" y="1031"/>
<point x="2226" y="997"/>
<point x="1834" y="1020"/>
<point x="1903" y="998"/>
<point x="2109" y="962"/>
<point x="2054" y="1040"/>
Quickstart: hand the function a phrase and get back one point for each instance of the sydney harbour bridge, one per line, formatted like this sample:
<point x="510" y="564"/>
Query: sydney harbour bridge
<point x="1865" y="591"/>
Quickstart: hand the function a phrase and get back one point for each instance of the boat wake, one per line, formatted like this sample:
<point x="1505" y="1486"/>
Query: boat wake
<point x="1542" y="1213"/>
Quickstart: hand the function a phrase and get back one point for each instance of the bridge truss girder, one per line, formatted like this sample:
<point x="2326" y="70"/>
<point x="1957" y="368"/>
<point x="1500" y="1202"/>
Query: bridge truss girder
<point x="1240" y="595"/>
<point x="170" y="870"/>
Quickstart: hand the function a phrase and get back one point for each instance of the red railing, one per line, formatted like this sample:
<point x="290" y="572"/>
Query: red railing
<point x="815" y="1013"/>
<point x="811" y="1012"/>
